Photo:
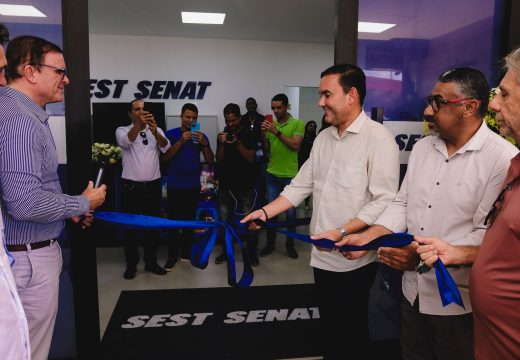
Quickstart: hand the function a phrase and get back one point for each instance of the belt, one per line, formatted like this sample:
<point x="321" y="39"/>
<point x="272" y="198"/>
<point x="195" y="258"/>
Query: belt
<point x="141" y="183"/>
<point x="31" y="246"/>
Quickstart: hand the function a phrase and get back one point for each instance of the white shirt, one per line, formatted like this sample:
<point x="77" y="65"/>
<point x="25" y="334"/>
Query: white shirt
<point x="140" y="161"/>
<point x="355" y="175"/>
<point x="14" y="333"/>
<point x="448" y="197"/>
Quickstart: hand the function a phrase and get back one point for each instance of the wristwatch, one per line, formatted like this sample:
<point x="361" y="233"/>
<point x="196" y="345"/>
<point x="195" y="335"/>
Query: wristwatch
<point x="342" y="232"/>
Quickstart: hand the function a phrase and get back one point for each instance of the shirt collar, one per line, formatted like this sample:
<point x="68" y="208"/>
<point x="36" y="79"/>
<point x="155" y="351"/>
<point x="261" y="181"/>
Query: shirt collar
<point x="475" y="143"/>
<point x="354" y="127"/>
<point x="515" y="165"/>
<point x="29" y="103"/>
<point x="285" y="123"/>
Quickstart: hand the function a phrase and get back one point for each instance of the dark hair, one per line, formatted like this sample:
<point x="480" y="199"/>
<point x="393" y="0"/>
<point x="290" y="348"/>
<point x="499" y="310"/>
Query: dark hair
<point x="131" y="104"/>
<point x="251" y="98"/>
<point x="471" y="83"/>
<point x="4" y="35"/>
<point x="27" y="50"/>
<point x="232" y="109"/>
<point x="281" y="97"/>
<point x="350" y="76"/>
<point x="190" y="107"/>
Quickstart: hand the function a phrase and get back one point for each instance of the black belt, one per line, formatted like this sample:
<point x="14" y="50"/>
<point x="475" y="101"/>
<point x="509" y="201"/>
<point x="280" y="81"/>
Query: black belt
<point x="141" y="183"/>
<point x="32" y="246"/>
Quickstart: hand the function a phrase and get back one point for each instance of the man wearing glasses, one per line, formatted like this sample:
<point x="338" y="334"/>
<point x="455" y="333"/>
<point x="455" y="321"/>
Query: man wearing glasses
<point x="453" y="177"/>
<point x="33" y="205"/>
<point x="142" y="142"/>
<point x="494" y="285"/>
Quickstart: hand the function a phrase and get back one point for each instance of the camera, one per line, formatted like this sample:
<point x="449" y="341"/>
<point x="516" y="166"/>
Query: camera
<point x="229" y="134"/>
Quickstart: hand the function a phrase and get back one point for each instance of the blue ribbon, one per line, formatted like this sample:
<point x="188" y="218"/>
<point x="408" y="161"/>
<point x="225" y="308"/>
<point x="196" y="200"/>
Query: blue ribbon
<point x="448" y="290"/>
<point x="202" y="248"/>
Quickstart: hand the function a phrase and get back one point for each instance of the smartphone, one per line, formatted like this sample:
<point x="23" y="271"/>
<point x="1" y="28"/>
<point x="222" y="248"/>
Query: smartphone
<point x="195" y="126"/>
<point x="269" y="118"/>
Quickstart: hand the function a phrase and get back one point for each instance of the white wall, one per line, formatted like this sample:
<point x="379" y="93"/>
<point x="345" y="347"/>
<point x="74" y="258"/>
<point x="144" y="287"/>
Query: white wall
<point x="237" y="69"/>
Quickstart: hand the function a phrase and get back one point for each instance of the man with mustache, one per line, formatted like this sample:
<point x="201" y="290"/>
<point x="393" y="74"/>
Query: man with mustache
<point x="452" y="179"/>
<point x="494" y="282"/>
<point x="352" y="174"/>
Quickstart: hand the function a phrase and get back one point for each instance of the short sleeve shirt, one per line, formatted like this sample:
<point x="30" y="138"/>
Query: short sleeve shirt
<point x="284" y="161"/>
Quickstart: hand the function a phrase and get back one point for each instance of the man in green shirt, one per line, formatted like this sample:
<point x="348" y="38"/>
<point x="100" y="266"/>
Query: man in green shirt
<point x="283" y="137"/>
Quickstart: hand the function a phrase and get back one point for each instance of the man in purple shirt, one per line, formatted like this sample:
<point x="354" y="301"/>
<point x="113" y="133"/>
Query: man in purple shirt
<point x="33" y="205"/>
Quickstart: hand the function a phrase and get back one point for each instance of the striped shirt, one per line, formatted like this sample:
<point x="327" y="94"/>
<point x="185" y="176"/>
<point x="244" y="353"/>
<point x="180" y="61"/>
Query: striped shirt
<point x="33" y="206"/>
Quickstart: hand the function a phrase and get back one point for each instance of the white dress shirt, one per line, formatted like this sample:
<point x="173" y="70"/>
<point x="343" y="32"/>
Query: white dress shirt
<point x="13" y="323"/>
<point x="448" y="197"/>
<point x="140" y="161"/>
<point x="352" y="175"/>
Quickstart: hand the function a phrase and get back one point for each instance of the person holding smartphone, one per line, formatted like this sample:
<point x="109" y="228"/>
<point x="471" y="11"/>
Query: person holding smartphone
<point x="283" y="139"/>
<point x="184" y="168"/>
<point x="141" y="144"/>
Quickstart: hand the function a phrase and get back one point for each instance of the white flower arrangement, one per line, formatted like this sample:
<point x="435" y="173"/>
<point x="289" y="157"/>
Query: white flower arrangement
<point x="107" y="153"/>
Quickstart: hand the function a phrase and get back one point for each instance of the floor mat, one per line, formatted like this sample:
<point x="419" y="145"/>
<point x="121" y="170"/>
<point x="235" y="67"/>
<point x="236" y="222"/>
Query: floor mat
<point x="261" y="322"/>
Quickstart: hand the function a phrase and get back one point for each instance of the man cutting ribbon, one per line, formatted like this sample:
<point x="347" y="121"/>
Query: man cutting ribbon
<point x="453" y="177"/>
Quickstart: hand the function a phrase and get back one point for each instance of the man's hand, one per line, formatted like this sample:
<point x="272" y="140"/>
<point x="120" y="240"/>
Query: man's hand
<point x="430" y="249"/>
<point x="150" y="120"/>
<point x="355" y="239"/>
<point x="269" y="126"/>
<point x="186" y="136"/>
<point x="96" y="196"/>
<point x="257" y="214"/>
<point x="333" y="235"/>
<point x="86" y="220"/>
<point x="403" y="259"/>
<point x="200" y="137"/>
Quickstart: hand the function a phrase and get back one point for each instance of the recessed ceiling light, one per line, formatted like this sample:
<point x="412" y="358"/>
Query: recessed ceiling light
<point x="372" y="27"/>
<point x="20" y="10"/>
<point x="202" y="18"/>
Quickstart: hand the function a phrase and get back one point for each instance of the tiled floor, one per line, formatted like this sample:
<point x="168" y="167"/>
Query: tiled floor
<point x="274" y="269"/>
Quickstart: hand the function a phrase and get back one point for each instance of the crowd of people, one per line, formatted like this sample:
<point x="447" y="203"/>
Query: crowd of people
<point x="457" y="199"/>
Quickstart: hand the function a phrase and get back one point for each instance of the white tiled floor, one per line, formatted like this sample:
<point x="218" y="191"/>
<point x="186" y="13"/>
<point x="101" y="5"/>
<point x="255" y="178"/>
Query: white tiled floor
<point x="275" y="269"/>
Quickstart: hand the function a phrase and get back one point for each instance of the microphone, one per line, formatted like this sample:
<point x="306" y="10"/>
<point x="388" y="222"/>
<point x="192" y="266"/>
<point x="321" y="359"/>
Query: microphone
<point x="102" y="162"/>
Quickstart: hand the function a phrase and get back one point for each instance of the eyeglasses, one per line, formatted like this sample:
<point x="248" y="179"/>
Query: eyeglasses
<point x="497" y="205"/>
<point x="435" y="101"/>
<point x="60" y="71"/>
<point x="143" y="135"/>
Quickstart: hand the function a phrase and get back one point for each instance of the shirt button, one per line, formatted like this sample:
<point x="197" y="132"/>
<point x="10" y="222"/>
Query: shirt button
<point x="422" y="228"/>
<point x="447" y="160"/>
<point x="438" y="183"/>
<point x="429" y="206"/>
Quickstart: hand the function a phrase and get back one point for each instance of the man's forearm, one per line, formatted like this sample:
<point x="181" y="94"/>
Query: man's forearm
<point x="464" y="255"/>
<point x="277" y="206"/>
<point x="292" y="143"/>
<point x="161" y="140"/>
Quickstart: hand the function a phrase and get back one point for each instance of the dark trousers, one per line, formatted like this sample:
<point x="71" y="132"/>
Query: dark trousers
<point x="142" y="198"/>
<point x="343" y="304"/>
<point x="182" y="205"/>
<point x="234" y="205"/>
<point x="434" y="337"/>
<point x="274" y="186"/>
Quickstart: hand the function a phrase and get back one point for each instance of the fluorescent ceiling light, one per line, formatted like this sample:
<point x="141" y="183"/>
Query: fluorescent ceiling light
<point x="371" y="27"/>
<point x="20" y="10"/>
<point x="202" y="18"/>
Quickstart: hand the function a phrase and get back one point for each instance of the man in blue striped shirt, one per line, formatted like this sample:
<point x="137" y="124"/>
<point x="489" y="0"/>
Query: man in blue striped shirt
<point x="33" y="206"/>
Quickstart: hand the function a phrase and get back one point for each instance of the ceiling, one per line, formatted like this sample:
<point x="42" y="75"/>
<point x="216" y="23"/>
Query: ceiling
<point x="269" y="20"/>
